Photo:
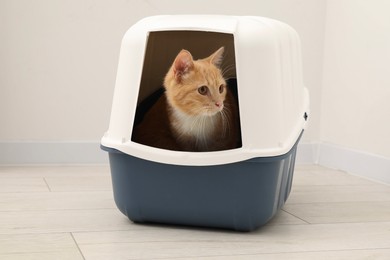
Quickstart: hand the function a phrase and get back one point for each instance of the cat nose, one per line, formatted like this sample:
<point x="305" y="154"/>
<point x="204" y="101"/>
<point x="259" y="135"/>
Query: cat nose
<point x="218" y="104"/>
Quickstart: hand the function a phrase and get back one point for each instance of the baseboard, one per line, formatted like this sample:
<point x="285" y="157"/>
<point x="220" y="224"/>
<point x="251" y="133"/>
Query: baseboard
<point x="307" y="153"/>
<point x="12" y="153"/>
<point x="359" y="163"/>
<point x="356" y="162"/>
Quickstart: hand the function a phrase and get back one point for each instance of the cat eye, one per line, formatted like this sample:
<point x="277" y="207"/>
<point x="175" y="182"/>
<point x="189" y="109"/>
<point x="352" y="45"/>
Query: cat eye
<point x="221" y="88"/>
<point x="203" y="90"/>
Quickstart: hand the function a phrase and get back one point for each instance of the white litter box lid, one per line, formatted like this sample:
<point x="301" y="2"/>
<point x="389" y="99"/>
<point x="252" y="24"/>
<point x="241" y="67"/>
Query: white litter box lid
<point x="272" y="98"/>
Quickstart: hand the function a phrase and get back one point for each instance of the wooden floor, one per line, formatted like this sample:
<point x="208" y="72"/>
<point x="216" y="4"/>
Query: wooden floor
<point x="54" y="212"/>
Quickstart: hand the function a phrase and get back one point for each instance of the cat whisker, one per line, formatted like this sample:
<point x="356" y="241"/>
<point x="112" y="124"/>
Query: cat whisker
<point x="223" y="120"/>
<point x="228" y="69"/>
<point x="226" y="120"/>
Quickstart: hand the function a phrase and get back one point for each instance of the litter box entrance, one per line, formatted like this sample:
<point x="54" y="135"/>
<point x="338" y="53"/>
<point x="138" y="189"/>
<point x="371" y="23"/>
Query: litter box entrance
<point x="158" y="124"/>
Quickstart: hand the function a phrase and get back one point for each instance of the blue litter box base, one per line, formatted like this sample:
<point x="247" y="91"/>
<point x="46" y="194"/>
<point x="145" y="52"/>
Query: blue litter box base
<point x="241" y="196"/>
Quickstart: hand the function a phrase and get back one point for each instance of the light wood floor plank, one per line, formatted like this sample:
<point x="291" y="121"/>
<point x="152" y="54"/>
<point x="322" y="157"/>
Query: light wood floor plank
<point x="163" y="242"/>
<point x="16" y="222"/>
<point x="374" y="254"/>
<point x="56" y="201"/>
<point x="79" y="183"/>
<point x="53" y="212"/>
<point x="26" y="184"/>
<point x="69" y="254"/>
<point x="39" y="246"/>
<point x="347" y="212"/>
<point x="336" y="193"/>
<point x="328" y="177"/>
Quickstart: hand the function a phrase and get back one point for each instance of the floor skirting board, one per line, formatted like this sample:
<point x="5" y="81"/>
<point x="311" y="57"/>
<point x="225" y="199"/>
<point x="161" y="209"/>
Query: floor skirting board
<point x="337" y="157"/>
<point x="359" y="163"/>
<point x="52" y="153"/>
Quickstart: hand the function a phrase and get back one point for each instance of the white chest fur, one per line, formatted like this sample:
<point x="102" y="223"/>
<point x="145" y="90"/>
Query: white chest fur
<point x="201" y="128"/>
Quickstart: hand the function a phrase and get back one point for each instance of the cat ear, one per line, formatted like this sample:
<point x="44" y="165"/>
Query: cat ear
<point x="216" y="57"/>
<point x="183" y="64"/>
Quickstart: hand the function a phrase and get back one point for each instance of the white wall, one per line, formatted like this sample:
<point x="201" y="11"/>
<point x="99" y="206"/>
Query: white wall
<point x="58" y="59"/>
<point x="356" y="81"/>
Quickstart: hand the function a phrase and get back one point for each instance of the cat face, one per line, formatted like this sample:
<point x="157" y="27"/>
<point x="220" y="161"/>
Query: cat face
<point x="196" y="87"/>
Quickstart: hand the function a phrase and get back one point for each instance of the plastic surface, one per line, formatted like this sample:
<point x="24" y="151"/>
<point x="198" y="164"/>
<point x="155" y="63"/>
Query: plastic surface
<point x="241" y="196"/>
<point x="272" y="97"/>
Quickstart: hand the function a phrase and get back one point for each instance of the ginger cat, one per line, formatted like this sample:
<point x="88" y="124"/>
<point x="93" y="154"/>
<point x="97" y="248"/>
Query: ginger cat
<point x="197" y="112"/>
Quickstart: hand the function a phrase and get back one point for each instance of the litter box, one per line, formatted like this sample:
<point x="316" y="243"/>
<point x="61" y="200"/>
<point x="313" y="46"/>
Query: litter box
<point x="241" y="188"/>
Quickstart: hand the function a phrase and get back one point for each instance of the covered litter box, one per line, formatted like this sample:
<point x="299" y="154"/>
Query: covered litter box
<point x="239" y="188"/>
